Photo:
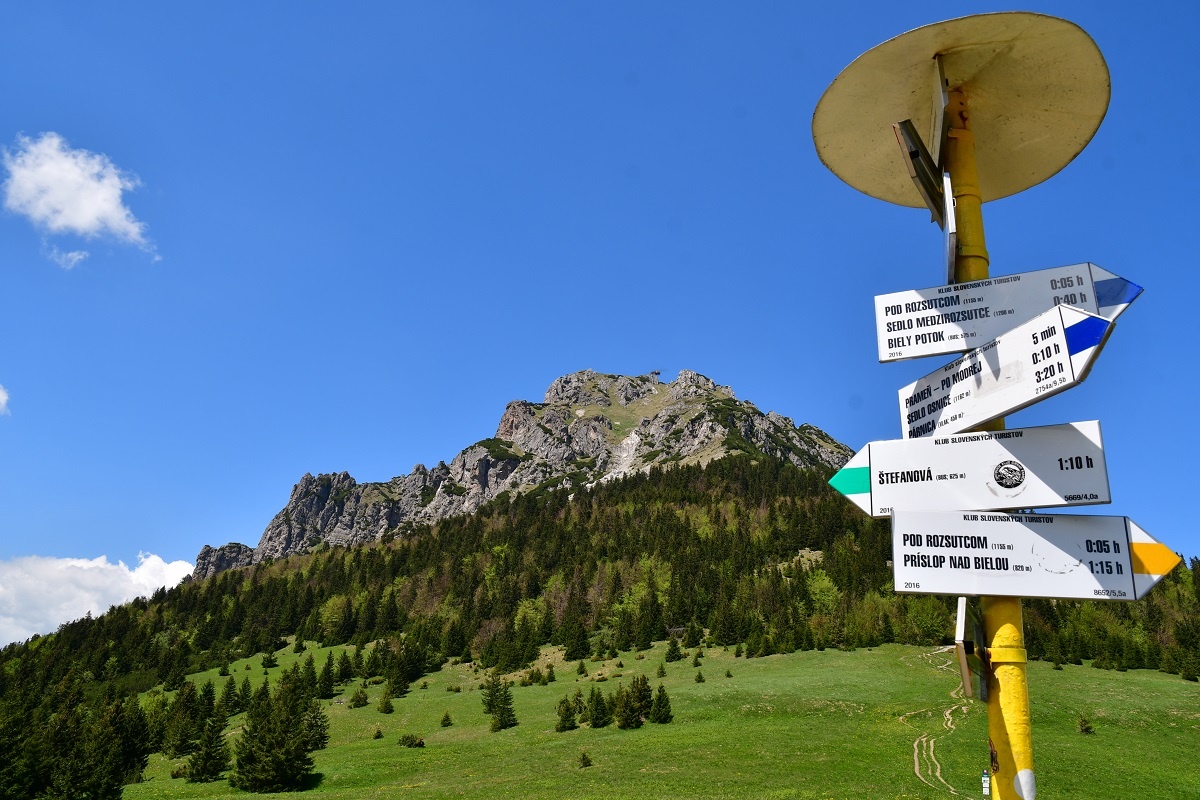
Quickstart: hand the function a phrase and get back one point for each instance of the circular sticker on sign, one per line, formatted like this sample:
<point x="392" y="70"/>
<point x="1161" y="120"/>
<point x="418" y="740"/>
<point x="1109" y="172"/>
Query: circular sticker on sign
<point x="1009" y="474"/>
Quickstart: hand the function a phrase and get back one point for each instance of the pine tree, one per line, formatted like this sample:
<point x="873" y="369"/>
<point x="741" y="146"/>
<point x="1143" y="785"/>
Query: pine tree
<point x="324" y="685"/>
<point x="374" y="663"/>
<point x="230" y="699"/>
<point x="206" y="702"/>
<point x="315" y="726"/>
<point x="87" y="758"/>
<point x="641" y="695"/>
<point x="625" y="709"/>
<point x="357" y="662"/>
<point x="661" y="672"/>
<point x="446" y="721"/>
<point x="489" y="692"/>
<point x="660" y="709"/>
<point x="129" y="722"/>
<point x="599" y="711"/>
<point x="345" y="668"/>
<point x="308" y="676"/>
<point x="573" y="634"/>
<point x="272" y="754"/>
<point x="385" y="701"/>
<point x="504" y="716"/>
<point x="211" y="756"/>
<point x="358" y="699"/>
<point x="566" y="715"/>
<point x="673" y="651"/>
<point x="183" y="722"/>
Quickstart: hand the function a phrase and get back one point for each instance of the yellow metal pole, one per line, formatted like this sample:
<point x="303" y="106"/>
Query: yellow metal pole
<point x="1009" y="729"/>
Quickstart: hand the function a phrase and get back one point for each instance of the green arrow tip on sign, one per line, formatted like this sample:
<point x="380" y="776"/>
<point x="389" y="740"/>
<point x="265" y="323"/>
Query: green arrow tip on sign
<point x="852" y="480"/>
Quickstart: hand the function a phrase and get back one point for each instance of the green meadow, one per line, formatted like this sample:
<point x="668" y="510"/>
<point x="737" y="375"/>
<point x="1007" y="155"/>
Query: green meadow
<point x="885" y="722"/>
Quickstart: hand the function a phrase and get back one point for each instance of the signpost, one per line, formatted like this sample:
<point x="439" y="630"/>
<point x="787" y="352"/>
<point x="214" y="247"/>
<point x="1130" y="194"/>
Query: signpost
<point x="1044" y="467"/>
<point x="1026" y="555"/>
<point x="1016" y="96"/>
<point x="1046" y="355"/>
<point x="960" y="316"/>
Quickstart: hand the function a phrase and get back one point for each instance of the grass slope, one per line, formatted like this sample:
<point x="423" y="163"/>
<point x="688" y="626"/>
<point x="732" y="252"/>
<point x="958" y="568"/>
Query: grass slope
<point x="886" y="722"/>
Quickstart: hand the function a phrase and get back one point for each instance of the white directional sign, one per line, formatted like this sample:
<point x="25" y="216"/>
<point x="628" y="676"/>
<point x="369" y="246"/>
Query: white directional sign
<point x="958" y="317"/>
<point x="1048" y="354"/>
<point x="1025" y="555"/>
<point x="1044" y="467"/>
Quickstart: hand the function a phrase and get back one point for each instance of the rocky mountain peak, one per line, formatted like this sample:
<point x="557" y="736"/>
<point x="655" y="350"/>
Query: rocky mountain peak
<point x="591" y="427"/>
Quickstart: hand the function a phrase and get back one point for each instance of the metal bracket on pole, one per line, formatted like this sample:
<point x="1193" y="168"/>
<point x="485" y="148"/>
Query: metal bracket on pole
<point x="970" y="647"/>
<point x="924" y="171"/>
<point x="950" y="228"/>
<point x="939" y="123"/>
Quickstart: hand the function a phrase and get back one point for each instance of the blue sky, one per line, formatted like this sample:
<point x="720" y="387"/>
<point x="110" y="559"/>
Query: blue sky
<point x="277" y="242"/>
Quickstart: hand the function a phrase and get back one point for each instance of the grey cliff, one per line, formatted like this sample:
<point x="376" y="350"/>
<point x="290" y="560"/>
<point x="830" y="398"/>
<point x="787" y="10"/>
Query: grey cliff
<point x="589" y="428"/>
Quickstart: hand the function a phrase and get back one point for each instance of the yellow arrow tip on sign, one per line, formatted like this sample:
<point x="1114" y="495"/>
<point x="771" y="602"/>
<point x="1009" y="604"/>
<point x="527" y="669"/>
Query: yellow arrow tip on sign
<point x="1152" y="558"/>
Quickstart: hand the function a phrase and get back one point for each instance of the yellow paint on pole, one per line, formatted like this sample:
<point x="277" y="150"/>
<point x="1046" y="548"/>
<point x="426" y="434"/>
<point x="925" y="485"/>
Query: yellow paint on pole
<point x="1009" y="727"/>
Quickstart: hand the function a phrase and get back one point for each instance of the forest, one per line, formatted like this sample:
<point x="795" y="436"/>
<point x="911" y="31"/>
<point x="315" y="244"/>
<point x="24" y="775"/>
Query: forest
<point x="748" y="551"/>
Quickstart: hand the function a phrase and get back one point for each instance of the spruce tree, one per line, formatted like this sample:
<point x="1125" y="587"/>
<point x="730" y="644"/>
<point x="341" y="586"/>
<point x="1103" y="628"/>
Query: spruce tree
<point x="345" y="668"/>
<point x="359" y="698"/>
<point x="625" y="709"/>
<point x="308" y="676"/>
<point x="315" y="726"/>
<point x="356" y="661"/>
<point x="641" y="695"/>
<point x="489" y="692"/>
<point x="503" y="716"/>
<point x="324" y="685"/>
<point x="231" y="700"/>
<point x="211" y="756"/>
<point x="245" y="694"/>
<point x="132" y="728"/>
<point x="207" y="702"/>
<point x="87" y="758"/>
<point x="692" y="634"/>
<point x="660" y="709"/>
<point x="385" y="701"/>
<point x="599" y="711"/>
<point x="272" y="754"/>
<point x="374" y="663"/>
<point x="183" y="722"/>
<point x="566" y="715"/>
<point x="673" y="651"/>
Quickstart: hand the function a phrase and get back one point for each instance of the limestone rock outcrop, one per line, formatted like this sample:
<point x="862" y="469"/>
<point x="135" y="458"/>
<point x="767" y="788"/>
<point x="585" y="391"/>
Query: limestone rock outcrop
<point x="589" y="428"/>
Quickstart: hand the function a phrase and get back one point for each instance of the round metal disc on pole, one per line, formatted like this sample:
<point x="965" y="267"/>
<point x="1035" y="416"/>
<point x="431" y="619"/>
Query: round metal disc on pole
<point x="1038" y="89"/>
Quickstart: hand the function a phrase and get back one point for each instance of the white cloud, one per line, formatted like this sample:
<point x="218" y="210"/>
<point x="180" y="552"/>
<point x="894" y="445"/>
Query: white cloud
<point x="3" y="402"/>
<point x="67" y="260"/>
<point x="37" y="594"/>
<point x="68" y="191"/>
